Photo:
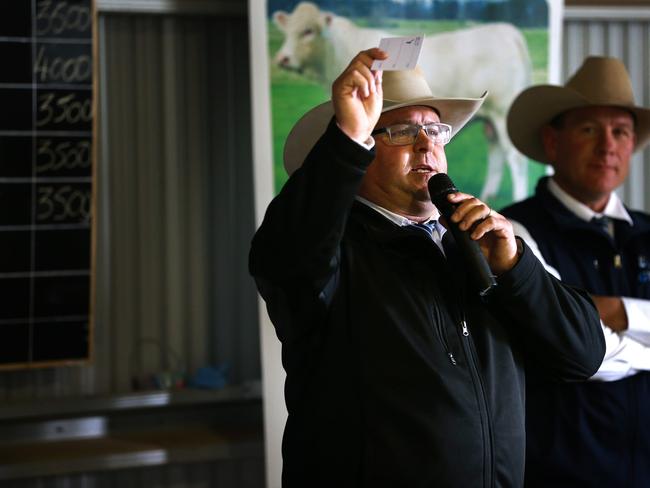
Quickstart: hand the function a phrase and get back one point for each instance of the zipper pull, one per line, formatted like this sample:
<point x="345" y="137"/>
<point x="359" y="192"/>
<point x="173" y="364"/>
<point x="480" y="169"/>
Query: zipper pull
<point x="465" y="331"/>
<point x="451" y="358"/>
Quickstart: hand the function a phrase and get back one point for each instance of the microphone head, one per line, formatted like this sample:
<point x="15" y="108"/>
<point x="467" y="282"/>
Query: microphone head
<point x="440" y="185"/>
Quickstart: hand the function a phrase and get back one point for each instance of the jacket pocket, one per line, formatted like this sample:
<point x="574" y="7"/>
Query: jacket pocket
<point x="441" y="333"/>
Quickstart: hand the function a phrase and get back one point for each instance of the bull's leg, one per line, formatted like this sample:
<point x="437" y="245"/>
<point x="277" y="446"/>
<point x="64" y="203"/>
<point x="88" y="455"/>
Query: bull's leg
<point x="494" y="172"/>
<point x="518" y="165"/>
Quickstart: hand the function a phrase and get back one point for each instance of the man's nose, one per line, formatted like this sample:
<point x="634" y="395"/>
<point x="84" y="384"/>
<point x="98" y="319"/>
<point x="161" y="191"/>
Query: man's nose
<point x="423" y="143"/>
<point x="607" y="139"/>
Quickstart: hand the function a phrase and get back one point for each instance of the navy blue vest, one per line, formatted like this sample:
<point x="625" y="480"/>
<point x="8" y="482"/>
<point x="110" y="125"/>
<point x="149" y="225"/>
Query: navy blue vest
<point x="594" y="434"/>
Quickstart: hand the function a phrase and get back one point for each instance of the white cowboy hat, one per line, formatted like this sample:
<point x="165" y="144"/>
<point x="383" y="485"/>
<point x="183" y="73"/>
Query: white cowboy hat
<point x="600" y="81"/>
<point x="401" y="89"/>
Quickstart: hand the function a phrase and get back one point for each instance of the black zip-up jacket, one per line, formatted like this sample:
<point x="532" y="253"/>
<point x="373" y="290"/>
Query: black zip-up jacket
<point x="594" y="433"/>
<point x="398" y="375"/>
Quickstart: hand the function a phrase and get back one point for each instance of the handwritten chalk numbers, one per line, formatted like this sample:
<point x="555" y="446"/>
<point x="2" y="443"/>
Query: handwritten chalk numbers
<point x="61" y="68"/>
<point x="60" y="18"/>
<point x="57" y="156"/>
<point x="63" y="204"/>
<point x="67" y="109"/>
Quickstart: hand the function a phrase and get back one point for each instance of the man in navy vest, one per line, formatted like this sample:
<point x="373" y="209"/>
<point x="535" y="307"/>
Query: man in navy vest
<point x="594" y="433"/>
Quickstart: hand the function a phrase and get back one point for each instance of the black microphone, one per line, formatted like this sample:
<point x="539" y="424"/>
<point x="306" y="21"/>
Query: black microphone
<point x="440" y="185"/>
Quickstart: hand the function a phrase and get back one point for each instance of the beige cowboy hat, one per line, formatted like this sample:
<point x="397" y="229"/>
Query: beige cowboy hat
<point x="599" y="81"/>
<point x="401" y="89"/>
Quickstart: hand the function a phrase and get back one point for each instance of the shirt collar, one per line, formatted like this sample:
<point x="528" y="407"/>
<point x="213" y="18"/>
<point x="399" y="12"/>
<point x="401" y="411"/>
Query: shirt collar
<point x="614" y="208"/>
<point x="393" y="217"/>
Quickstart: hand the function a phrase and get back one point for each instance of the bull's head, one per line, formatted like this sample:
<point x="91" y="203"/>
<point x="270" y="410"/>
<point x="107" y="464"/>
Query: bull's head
<point x="303" y="47"/>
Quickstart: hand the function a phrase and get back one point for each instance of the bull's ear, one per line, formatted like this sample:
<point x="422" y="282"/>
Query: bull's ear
<point x="280" y="18"/>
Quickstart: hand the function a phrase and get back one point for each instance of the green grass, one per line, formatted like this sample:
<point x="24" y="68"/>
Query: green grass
<point x="292" y="95"/>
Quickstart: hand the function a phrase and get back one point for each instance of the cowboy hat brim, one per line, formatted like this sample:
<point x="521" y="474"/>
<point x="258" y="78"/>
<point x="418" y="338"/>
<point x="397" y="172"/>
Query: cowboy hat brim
<point x="538" y="105"/>
<point x="453" y="111"/>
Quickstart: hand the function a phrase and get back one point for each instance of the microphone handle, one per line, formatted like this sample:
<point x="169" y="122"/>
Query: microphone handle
<point x="469" y="249"/>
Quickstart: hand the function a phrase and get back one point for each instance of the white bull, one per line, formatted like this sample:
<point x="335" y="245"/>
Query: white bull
<point x="461" y="63"/>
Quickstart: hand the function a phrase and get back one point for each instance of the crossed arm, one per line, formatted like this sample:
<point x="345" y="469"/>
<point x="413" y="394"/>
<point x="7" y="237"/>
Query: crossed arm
<point x="625" y="322"/>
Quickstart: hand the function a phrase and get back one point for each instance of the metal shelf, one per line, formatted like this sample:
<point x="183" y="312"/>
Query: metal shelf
<point x="130" y="431"/>
<point x="138" y="400"/>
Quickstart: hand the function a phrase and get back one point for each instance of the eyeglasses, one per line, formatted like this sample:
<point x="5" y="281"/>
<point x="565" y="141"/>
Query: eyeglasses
<point x="403" y="134"/>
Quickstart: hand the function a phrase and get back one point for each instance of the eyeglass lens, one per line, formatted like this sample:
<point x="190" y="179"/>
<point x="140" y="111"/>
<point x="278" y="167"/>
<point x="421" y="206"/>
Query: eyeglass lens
<point x="408" y="133"/>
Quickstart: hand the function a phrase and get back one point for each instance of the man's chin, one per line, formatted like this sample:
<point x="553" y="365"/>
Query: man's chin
<point x="422" y="195"/>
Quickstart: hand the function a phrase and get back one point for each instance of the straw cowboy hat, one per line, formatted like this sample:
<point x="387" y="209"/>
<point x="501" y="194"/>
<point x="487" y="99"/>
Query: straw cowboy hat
<point x="401" y="89"/>
<point x="599" y="81"/>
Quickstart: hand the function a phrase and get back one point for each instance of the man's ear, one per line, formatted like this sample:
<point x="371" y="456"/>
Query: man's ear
<point x="549" y="137"/>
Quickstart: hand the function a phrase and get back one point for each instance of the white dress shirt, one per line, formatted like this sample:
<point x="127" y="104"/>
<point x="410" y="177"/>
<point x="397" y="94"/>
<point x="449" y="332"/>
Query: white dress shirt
<point x="627" y="352"/>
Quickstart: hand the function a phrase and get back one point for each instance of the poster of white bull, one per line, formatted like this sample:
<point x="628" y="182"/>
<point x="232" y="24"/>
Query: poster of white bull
<point x="470" y="46"/>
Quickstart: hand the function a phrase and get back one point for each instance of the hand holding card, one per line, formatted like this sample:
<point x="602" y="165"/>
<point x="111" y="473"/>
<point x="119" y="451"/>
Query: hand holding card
<point x="403" y="53"/>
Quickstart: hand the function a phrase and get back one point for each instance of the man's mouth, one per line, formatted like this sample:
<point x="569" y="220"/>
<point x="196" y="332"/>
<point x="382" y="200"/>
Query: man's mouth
<point x="422" y="169"/>
<point x="604" y="166"/>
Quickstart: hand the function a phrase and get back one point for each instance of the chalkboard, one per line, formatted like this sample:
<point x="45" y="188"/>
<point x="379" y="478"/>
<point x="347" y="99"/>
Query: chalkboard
<point x="46" y="182"/>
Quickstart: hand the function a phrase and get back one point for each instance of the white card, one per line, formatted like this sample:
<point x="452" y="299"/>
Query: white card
<point x="403" y="53"/>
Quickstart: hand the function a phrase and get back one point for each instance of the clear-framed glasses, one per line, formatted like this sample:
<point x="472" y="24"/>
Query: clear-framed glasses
<point x="403" y="134"/>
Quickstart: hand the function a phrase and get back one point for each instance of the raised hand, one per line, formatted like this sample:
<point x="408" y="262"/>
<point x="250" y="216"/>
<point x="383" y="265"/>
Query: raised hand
<point x="357" y="95"/>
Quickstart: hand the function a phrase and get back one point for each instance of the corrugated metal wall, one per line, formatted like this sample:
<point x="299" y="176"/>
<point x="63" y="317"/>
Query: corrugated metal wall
<point x="176" y="169"/>
<point x="623" y="33"/>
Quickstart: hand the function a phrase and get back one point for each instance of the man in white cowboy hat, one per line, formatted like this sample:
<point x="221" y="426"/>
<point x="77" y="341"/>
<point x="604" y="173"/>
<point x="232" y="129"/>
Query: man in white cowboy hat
<point x="595" y="433"/>
<point x="398" y="373"/>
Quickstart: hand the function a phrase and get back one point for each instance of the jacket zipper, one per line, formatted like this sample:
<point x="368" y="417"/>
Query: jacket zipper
<point x="479" y="390"/>
<point x="482" y="397"/>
